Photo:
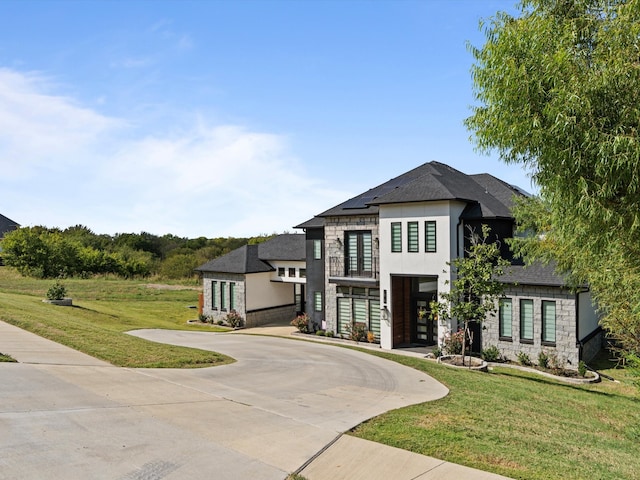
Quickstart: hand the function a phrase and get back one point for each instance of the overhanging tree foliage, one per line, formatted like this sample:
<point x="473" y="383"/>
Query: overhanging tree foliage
<point x="475" y="290"/>
<point x="559" y="92"/>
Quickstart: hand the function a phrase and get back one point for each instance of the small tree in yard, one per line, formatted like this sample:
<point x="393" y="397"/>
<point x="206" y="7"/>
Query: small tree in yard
<point x="476" y="289"/>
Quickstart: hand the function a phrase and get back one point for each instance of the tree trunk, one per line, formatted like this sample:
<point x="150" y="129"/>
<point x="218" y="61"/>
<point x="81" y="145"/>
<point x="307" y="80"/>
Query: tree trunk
<point x="464" y="340"/>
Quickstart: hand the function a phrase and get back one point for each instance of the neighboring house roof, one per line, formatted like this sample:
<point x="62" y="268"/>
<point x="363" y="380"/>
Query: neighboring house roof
<point x="255" y="258"/>
<point x="288" y="246"/>
<point x="487" y="196"/>
<point x="7" y="225"/>
<point x="535" y="274"/>
<point x="315" y="222"/>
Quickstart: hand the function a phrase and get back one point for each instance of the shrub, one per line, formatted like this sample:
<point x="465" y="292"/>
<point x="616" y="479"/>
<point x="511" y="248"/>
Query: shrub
<point x="582" y="369"/>
<point x="543" y="359"/>
<point x="523" y="359"/>
<point x="301" y="322"/>
<point x="203" y="318"/>
<point x="555" y="362"/>
<point x="357" y="331"/>
<point x="220" y="322"/>
<point x="371" y="337"/>
<point x="57" y="291"/>
<point x="452" y="343"/>
<point x="437" y="352"/>
<point x="329" y="333"/>
<point x="234" y="319"/>
<point x="491" y="354"/>
<point x="320" y="333"/>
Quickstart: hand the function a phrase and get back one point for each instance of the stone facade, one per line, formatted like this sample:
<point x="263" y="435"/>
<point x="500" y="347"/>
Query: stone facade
<point x="566" y="346"/>
<point x="334" y="239"/>
<point x="221" y="311"/>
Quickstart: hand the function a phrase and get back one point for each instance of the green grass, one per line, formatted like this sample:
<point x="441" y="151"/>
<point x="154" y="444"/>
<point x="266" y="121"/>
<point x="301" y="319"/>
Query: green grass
<point x="104" y="309"/>
<point x="519" y="425"/>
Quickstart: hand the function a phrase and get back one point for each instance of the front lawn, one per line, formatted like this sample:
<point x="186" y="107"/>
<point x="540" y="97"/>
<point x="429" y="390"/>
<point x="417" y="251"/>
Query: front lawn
<point x="104" y="309"/>
<point x="519" y="425"/>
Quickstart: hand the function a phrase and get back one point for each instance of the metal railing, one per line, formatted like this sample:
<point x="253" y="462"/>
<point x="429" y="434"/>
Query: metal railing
<point x="354" y="267"/>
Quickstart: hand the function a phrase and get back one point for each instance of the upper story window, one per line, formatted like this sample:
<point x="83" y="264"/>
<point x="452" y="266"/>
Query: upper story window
<point x="359" y="253"/>
<point x="292" y="272"/>
<point x="412" y="236"/>
<point x="430" y="236"/>
<point x="317" y="249"/>
<point x="396" y="237"/>
<point x="281" y="271"/>
<point x="303" y="273"/>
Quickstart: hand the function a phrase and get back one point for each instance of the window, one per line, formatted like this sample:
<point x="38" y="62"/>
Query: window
<point x="317" y="301"/>
<point x="344" y="315"/>
<point x="505" y="318"/>
<point x="526" y="320"/>
<point x="281" y="271"/>
<point x="232" y="296"/>
<point x="303" y="273"/>
<point x="430" y="236"/>
<point x="223" y="296"/>
<point x="317" y="249"/>
<point x="374" y="318"/>
<point x="412" y="236"/>
<point x="359" y="254"/>
<point x="396" y="237"/>
<point x="292" y="272"/>
<point x="214" y="295"/>
<point x="549" y="322"/>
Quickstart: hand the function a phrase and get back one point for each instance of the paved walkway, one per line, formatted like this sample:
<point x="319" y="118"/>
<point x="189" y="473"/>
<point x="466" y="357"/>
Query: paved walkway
<point x="67" y="415"/>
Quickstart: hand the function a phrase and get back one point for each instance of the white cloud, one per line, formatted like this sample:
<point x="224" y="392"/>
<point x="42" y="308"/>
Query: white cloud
<point x="69" y="164"/>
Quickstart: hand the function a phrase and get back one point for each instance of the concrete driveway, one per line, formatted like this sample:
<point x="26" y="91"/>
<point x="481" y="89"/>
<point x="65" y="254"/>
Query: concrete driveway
<point x="66" y="415"/>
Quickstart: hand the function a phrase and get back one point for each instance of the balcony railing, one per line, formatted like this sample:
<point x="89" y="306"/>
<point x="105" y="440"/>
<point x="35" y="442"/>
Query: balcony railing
<point x="354" y="267"/>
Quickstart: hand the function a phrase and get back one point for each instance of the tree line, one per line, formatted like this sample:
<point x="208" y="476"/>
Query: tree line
<point x="77" y="251"/>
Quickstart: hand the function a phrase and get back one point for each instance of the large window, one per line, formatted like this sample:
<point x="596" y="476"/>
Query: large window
<point x="526" y="320"/>
<point x="430" y="236"/>
<point x="396" y="237"/>
<point x="361" y="305"/>
<point x="232" y="296"/>
<point x="412" y="236"/>
<point x="317" y="249"/>
<point x="359" y="254"/>
<point x="223" y="296"/>
<point x="549" y="322"/>
<point x="505" y="318"/>
<point x="214" y="295"/>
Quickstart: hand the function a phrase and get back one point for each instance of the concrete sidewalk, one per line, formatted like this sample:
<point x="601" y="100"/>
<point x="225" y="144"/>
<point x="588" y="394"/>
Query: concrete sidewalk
<point x="352" y="458"/>
<point x="168" y="407"/>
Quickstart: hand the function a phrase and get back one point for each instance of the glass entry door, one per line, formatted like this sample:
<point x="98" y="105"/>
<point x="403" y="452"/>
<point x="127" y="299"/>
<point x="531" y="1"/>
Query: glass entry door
<point x="424" y="291"/>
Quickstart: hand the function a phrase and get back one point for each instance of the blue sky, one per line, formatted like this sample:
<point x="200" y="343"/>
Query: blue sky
<point x="227" y="118"/>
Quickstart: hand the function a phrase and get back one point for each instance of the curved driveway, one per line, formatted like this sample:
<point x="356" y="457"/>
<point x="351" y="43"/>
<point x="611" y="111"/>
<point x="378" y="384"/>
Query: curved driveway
<point x="261" y="417"/>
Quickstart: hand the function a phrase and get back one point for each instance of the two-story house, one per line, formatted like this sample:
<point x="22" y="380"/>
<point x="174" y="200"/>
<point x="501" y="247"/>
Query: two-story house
<point x="381" y="257"/>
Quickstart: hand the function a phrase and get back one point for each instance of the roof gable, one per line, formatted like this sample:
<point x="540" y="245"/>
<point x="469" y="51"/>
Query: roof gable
<point x="255" y="258"/>
<point x="7" y="225"/>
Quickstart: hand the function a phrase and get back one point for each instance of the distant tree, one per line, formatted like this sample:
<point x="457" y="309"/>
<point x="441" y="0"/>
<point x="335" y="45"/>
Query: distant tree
<point x="559" y="92"/>
<point x="475" y="289"/>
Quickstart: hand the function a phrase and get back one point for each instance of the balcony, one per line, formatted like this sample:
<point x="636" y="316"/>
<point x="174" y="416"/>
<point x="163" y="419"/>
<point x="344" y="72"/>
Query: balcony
<point x="364" y="267"/>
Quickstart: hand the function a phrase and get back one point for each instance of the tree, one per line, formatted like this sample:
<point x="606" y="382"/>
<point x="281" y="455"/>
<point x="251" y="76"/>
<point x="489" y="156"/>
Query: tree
<point x="559" y="92"/>
<point x="475" y="290"/>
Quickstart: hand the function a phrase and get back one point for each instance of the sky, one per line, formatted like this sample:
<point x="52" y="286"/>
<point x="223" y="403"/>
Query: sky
<point x="205" y="118"/>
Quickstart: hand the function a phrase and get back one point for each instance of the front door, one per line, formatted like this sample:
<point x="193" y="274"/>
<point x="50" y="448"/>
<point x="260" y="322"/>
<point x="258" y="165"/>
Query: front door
<point x="425" y="332"/>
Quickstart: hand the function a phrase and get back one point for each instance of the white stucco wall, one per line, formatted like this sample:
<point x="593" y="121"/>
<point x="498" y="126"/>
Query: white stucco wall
<point x="297" y="266"/>
<point x="261" y="292"/>
<point x="448" y="242"/>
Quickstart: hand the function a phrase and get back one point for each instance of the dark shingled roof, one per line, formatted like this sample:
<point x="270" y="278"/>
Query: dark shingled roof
<point x="487" y="196"/>
<point x="288" y="246"/>
<point x="315" y="222"/>
<point x="254" y="258"/>
<point x="7" y="225"/>
<point x="535" y="274"/>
